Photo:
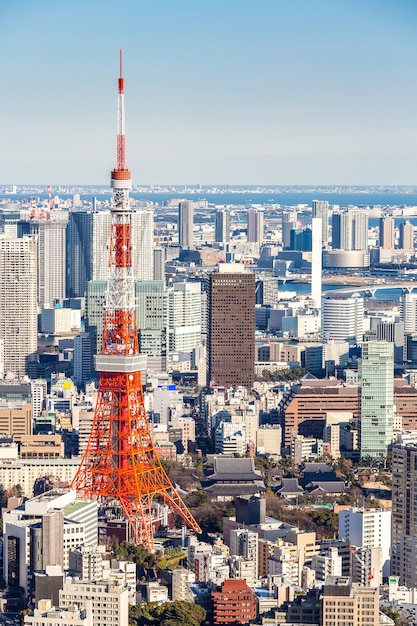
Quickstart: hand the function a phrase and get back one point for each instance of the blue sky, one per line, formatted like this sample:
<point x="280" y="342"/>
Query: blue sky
<point x="217" y="91"/>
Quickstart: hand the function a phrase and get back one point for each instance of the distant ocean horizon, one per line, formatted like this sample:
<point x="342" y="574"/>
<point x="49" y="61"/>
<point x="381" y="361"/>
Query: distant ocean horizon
<point x="237" y="198"/>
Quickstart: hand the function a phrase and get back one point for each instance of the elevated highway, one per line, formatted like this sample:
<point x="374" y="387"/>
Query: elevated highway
<point x="369" y="290"/>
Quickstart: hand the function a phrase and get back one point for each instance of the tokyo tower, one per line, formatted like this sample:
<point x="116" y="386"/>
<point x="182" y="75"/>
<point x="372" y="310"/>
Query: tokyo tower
<point x="120" y="467"/>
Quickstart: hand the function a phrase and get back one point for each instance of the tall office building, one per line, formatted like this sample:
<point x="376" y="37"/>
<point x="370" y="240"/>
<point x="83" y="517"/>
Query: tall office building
<point x="289" y="223"/>
<point x="9" y="218"/>
<point x="222" y="226"/>
<point x="18" y="306"/>
<point x="231" y="326"/>
<point x="87" y="248"/>
<point x="255" y="226"/>
<point x="377" y="398"/>
<point x="83" y="364"/>
<point x="404" y="513"/>
<point x="152" y="321"/>
<point x="408" y="312"/>
<point x="184" y="316"/>
<point x="143" y="243"/>
<point x="186" y="224"/>
<point x="320" y="208"/>
<point x="159" y="263"/>
<point x="151" y="318"/>
<point x="51" y="256"/>
<point x="386" y="232"/>
<point x="94" y="313"/>
<point x="406" y="237"/>
<point x="350" y="230"/>
<point x="342" y="319"/>
<point x="316" y="260"/>
<point x="393" y="332"/>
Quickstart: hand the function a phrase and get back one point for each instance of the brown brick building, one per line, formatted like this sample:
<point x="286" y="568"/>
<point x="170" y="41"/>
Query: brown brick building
<point x="231" y="327"/>
<point x="304" y="408"/>
<point x="234" y="603"/>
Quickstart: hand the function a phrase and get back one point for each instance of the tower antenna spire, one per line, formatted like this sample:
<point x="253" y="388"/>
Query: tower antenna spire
<point x="120" y="468"/>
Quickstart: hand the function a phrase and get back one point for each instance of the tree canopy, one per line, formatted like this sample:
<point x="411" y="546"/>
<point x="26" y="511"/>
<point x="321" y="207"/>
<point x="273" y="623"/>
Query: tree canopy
<point x="177" y="613"/>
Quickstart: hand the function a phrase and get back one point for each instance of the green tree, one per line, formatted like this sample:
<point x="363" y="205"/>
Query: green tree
<point x="326" y="520"/>
<point x="177" y="613"/>
<point x="399" y="619"/>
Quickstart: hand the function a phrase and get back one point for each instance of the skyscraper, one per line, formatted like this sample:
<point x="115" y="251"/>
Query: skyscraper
<point x="222" y="226"/>
<point x="94" y="312"/>
<point x="342" y="319"/>
<point x="408" y="312"/>
<point x="18" y="306"/>
<point x="289" y="223"/>
<point x="51" y="255"/>
<point x="184" y="317"/>
<point x="186" y="224"/>
<point x="152" y="321"/>
<point x="350" y="230"/>
<point x="255" y="226"/>
<point x="159" y="263"/>
<point x="320" y="208"/>
<point x="404" y="513"/>
<point x="143" y="244"/>
<point x="87" y="248"/>
<point x="406" y="238"/>
<point x="377" y="398"/>
<point x="386" y="232"/>
<point x="231" y="326"/>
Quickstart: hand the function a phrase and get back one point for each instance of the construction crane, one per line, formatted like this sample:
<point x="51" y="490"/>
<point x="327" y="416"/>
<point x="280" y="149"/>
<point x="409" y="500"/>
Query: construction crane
<point x="369" y="572"/>
<point x="51" y="200"/>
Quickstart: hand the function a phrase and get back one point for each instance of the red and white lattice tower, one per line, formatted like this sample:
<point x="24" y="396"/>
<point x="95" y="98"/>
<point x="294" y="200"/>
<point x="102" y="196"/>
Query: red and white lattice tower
<point x="120" y="466"/>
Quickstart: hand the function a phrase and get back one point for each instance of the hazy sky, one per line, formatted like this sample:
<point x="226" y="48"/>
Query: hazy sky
<point x="217" y="91"/>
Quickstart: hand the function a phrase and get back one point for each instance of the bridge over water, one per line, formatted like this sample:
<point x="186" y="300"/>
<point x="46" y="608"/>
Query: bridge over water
<point x="370" y="290"/>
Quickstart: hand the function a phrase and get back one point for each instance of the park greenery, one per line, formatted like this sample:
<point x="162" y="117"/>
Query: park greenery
<point x="177" y="613"/>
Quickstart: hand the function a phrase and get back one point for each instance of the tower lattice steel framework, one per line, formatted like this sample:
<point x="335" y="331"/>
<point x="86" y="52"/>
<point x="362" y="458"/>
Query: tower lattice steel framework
<point x="120" y="465"/>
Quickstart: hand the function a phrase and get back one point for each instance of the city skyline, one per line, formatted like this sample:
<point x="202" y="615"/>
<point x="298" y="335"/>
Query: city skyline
<point x="292" y="93"/>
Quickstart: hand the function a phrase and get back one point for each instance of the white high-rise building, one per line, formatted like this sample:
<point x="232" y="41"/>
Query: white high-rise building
<point x="18" y="306"/>
<point x="184" y="316"/>
<point x="367" y="528"/>
<point x="39" y="394"/>
<point x="350" y="230"/>
<point x="408" y="312"/>
<point x="51" y="256"/>
<point x="316" y="260"/>
<point x="143" y="243"/>
<point x="342" y="319"/>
